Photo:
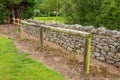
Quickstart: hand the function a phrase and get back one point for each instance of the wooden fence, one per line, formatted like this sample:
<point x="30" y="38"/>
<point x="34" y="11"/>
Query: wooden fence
<point x="87" y="36"/>
<point x="17" y="23"/>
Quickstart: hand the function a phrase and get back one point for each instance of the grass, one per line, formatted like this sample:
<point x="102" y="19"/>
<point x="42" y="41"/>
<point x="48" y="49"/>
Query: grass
<point x="14" y="66"/>
<point x="46" y="19"/>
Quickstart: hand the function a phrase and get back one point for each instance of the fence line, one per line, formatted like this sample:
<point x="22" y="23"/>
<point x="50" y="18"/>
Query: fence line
<point x="86" y="35"/>
<point x="17" y="22"/>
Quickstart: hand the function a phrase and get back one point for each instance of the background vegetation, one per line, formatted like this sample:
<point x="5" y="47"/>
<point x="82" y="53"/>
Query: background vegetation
<point x="5" y="10"/>
<point x="99" y="13"/>
<point x="50" y="19"/>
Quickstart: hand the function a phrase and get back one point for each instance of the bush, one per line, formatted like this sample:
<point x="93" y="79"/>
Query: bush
<point x="5" y="11"/>
<point x="105" y="13"/>
<point x="3" y="14"/>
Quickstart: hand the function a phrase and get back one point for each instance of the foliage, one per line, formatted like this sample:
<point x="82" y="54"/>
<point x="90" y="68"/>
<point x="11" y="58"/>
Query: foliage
<point x="5" y="10"/>
<point x="14" y="66"/>
<point x="37" y="11"/>
<point x="92" y="12"/>
<point x="14" y="2"/>
<point x="3" y="13"/>
<point x="48" y="7"/>
<point x="110" y="14"/>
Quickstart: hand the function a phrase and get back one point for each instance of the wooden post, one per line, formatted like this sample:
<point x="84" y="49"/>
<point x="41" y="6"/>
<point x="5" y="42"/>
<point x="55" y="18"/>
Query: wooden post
<point x="18" y="22"/>
<point x="41" y="38"/>
<point x="87" y="55"/>
<point x="13" y="16"/>
<point x="21" y="30"/>
<point x="14" y="21"/>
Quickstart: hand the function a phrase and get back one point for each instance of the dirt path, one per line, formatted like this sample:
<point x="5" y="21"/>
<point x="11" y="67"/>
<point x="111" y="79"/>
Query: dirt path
<point x="59" y="59"/>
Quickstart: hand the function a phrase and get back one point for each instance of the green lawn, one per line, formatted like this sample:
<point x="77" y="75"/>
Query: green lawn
<point x="14" y="66"/>
<point x="60" y="19"/>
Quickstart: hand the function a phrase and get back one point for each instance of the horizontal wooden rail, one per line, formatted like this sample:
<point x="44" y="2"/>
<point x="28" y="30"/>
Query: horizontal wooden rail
<point x="68" y="31"/>
<point x="16" y="22"/>
<point x="86" y="35"/>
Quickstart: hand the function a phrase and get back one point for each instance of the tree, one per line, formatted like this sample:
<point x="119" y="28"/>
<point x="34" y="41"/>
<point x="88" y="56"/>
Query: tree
<point x="50" y="6"/>
<point x="110" y="14"/>
<point x="93" y="12"/>
<point x="6" y="7"/>
<point x="3" y="13"/>
<point x="29" y="8"/>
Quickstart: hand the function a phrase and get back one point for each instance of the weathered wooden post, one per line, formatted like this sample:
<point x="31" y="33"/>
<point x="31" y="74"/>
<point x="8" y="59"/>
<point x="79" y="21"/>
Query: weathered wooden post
<point x="18" y="22"/>
<point x="21" y="29"/>
<point x="41" y="38"/>
<point x="87" y="54"/>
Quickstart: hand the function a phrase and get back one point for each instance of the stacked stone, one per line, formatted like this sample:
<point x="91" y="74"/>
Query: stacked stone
<point x="105" y="43"/>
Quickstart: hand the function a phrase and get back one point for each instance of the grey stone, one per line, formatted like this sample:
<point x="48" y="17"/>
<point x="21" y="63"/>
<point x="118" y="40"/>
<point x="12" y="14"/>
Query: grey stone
<point x="72" y="46"/>
<point x="47" y="39"/>
<point x="110" y="61"/>
<point x="52" y="39"/>
<point x="118" y="55"/>
<point x="96" y="54"/>
<point x="103" y="52"/>
<point x="118" y="48"/>
<point x="108" y="58"/>
<point x="78" y="51"/>
<point x="93" y="48"/>
<point x="115" y="43"/>
<point x="105" y="40"/>
<point x="77" y="46"/>
<point x="70" y="49"/>
<point x="102" y="44"/>
<point x="117" y="64"/>
<point x="64" y="46"/>
<point x="97" y="50"/>
<point x="101" y="58"/>
<point x="113" y="50"/>
<point x="99" y="46"/>
<point x="116" y="59"/>
<point x="82" y="49"/>
<point x="98" y="39"/>
<point x="110" y="54"/>
<point x="92" y="55"/>
<point x="111" y="46"/>
<point x="106" y="48"/>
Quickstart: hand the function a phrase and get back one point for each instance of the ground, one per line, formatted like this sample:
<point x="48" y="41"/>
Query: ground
<point x="59" y="59"/>
<point x="15" y="66"/>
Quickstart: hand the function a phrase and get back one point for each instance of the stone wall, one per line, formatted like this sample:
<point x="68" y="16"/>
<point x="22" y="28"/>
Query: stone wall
<point x="105" y="43"/>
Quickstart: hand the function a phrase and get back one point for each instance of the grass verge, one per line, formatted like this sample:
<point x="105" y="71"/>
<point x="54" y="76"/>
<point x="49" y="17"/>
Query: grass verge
<point x="14" y="66"/>
<point x="46" y="19"/>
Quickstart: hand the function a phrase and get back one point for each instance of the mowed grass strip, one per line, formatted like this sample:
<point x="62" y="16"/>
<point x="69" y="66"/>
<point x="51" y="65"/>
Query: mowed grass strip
<point x="14" y="66"/>
<point x="50" y="19"/>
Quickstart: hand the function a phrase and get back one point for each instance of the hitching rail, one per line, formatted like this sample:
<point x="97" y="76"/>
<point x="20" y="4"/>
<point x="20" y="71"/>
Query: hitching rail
<point x="86" y="35"/>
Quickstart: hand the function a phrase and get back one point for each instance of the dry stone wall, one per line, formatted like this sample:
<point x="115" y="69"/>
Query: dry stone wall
<point x="105" y="43"/>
